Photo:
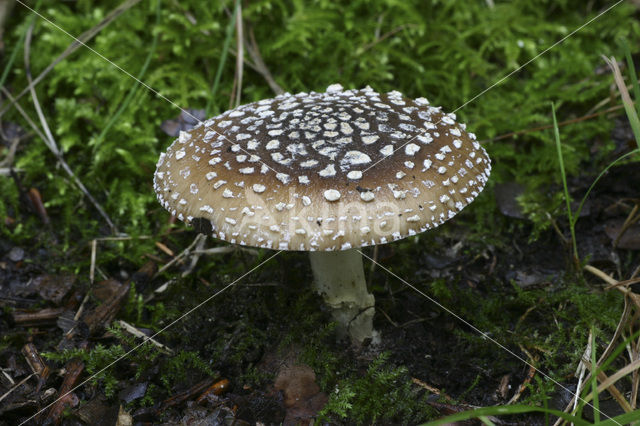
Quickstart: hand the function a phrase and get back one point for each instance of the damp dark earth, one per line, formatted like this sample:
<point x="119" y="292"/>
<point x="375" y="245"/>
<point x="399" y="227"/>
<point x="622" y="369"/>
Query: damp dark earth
<point x="472" y="166"/>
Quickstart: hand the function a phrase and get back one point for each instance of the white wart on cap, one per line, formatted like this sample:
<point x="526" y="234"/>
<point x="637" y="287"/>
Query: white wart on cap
<point x="322" y="171"/>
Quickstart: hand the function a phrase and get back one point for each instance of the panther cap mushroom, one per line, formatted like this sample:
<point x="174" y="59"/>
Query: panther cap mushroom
<point x="322" y="171"/>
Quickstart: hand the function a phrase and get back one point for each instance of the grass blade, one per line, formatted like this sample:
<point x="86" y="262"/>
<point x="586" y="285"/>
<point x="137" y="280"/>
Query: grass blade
<point x="136" y="84"/>
<point x="507" y="410"/>
<point x="622" y="419"/>
<point x="632" y="73"/>
<point x="629" y="108"/>
<point x="223" y="59"/>
<point x="594" y="379"/>
<point x="572" y="227"/>
<point x="12" y="58"/>
<point x="606" y="169"/>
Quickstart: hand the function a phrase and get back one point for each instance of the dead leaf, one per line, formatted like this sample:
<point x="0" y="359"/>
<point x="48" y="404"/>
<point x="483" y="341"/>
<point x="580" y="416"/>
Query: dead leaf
<point x="302" y="396"/>
<point x="54" y="287"/>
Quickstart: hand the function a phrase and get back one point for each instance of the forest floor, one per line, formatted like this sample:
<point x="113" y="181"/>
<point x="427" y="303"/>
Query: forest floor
<point x="114" y="313"/>
<point x="255" y="354"/>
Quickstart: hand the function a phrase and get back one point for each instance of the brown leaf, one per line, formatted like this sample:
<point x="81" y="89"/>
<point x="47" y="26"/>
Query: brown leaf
<point x="302" y="395"/>
<point x="54" y="287"/>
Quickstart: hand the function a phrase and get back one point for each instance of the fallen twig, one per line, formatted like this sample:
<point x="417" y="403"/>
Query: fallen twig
<point x="218" y="388"/>
<point x="92" y="268"/>
<point x="254" y="52"/>
<point x="74" y="369"/>
<point x="530" y="374"/>
<point x="165" y="249"/>
<point x="181" y="397"/>
<point x="225" y="250"/>
<point x="46" y="316"/>
<point x="124" y="238"/>
<point x="35" y="361"/>
<point x="196" y="255"/>
<point x="393" y="323"/>
<point x="20" y="383"/>
<point x="180" y="256"/>
<point x="132" y="330"/>
<point x="431" y="389"/>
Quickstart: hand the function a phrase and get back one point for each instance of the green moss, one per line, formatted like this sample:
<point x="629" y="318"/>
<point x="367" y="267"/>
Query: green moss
<point x="174" y="369"/>
<point x="383" y="394"/>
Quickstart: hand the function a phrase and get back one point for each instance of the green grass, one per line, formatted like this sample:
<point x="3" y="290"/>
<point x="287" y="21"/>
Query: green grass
<point x="632" y="115"/>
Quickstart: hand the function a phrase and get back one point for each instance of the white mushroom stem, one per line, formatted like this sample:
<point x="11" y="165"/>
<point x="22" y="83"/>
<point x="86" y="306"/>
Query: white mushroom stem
<point x="339" y="278"/>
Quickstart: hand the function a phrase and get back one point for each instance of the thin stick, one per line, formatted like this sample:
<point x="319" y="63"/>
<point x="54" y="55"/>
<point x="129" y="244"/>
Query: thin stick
<point x="226" y="249"/>
<point x="184" y="253"/>
<point x="582" y="368"/>
<point x="8" y="377"/>
<point x="625" y="283"/>
<point x="240" y="57"/>
<point x="92" y="268"/>
<point x="22" y="382"/>
<point x="133" y="330"/>
<point x="600" y="274"/>
<point x="260" y="66"/>
<point x="196" y="255"/>
<point x="431" y="389"/>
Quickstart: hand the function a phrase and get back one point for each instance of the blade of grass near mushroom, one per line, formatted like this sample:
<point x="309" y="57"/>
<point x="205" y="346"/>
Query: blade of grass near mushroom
<point x="293" y="179"/>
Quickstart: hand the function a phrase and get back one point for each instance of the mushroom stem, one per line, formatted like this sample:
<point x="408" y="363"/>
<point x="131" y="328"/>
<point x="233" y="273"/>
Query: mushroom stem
<point x="339" y="278"/>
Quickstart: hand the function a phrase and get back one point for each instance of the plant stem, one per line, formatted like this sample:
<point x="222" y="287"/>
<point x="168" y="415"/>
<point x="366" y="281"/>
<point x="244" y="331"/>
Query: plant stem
<point x="339" y="277"/>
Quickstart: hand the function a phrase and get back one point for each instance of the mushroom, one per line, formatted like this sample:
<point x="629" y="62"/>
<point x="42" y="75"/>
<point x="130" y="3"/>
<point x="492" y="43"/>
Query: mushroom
<point x="325" y="173"/>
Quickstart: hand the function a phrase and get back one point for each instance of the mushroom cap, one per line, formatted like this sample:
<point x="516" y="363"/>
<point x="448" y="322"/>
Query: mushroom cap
<point x="322" y="171"/>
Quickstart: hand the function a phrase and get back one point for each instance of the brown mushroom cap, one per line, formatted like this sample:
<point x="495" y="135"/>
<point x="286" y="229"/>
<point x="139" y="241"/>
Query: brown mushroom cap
<point x="322" y="171"/>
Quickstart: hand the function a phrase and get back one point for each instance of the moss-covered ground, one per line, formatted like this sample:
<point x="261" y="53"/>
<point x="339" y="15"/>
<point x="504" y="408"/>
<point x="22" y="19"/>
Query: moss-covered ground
<point x="504" y="264"/>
